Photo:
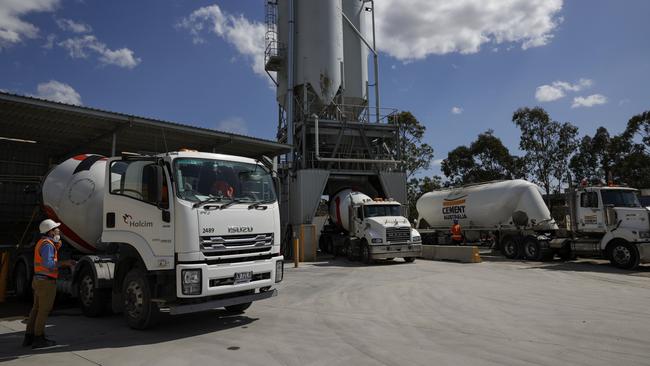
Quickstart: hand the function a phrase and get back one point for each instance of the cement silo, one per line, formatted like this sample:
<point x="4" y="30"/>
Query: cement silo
<point x="319" y="51"/>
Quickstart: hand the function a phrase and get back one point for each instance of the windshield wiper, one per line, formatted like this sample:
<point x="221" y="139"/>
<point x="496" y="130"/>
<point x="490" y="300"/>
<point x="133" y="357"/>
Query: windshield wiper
<point x="208" y="200"/>
<point x="259" y="203"/>
<point x="228" y="204"/>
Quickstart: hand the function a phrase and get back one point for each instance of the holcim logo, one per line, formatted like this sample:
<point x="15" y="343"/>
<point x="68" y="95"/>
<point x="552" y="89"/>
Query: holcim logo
<point x="128" y="219"/>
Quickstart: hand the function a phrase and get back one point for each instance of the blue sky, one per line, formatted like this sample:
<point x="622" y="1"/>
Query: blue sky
<point x="461" y="68"/>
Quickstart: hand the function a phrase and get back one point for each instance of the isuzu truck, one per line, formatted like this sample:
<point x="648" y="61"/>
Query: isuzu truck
<point x="179" y="232"/>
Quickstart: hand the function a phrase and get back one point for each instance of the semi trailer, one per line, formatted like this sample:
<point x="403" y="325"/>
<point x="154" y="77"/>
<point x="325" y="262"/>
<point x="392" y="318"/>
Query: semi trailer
<point x="601" y="221"/>
<point x="179" y="232"/>
<point x="368" y="229"/>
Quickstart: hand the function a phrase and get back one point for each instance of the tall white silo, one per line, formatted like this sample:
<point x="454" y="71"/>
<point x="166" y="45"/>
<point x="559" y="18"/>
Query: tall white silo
<point x="355" y="54"/>
<point x="318" y="51"/>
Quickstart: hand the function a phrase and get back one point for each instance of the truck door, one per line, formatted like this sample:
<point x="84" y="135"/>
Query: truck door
<point x="137" y="207"/>
<point x="590" y="217"/>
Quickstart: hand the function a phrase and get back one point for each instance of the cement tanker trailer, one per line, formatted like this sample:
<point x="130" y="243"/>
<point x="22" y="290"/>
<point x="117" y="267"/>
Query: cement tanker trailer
<point x="601" y="221"/>
<point x="158" y="234"/>
<point x="368" y="229"/>
<point x="511" y="215"/>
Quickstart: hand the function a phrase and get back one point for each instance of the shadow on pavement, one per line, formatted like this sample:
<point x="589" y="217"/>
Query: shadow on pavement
<point x="343" y="262"/>
<point x="112" y="332"/>
<point x="592" y="266"/>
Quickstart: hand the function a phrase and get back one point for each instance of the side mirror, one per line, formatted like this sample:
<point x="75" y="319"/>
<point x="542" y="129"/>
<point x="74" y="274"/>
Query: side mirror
<point x="276" y="185"/>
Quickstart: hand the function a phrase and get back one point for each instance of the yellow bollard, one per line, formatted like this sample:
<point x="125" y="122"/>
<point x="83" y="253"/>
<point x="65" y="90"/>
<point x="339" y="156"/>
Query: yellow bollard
<point x="296" y="257"/>
<point x="4" y="272"/>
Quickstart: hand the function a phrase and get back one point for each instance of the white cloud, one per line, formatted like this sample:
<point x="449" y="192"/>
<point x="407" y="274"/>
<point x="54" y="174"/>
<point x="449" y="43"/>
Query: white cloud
<point x="12" y="28"/>
<point x="234" y="124"/>
<point x="247" y="36"/>
<point x="58" y="92"/>
<point x="590" y="101"/>
<point x="50" y="41"/>
<point x="558" y="89"/>
<point x="80" y="47"/>
<point x="457" y="110"/>
<point x="437" y="162"/>
<point x="72" y="26"/>
<point x="424" y="27"/>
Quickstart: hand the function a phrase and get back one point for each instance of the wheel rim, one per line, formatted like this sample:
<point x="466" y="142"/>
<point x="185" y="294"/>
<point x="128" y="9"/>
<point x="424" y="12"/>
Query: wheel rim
<point x="531" y="250"/>
<point x="509" y="247"/>
<point x="621" y="254"/>
<point x="86" y="289"/>
<point x="134" y="299"/>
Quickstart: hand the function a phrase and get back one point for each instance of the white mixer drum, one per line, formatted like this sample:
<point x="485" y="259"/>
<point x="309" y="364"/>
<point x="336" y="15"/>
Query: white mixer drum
<point x="73" y="194"/>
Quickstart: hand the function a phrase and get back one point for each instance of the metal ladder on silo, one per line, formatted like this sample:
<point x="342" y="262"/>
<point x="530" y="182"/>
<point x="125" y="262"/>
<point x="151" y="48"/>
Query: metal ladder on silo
<point x="273" y="54"/>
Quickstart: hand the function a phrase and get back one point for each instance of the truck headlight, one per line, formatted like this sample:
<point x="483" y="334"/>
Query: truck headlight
<point x="377" y="240"/>
<point x="279" y="271"/>
<point x="644" y="234"/>
<point x="417" y="238"/>
<point x="191" y="279"/>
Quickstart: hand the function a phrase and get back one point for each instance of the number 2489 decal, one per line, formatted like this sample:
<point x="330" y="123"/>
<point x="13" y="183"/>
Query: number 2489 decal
<point x="208" y="230"/>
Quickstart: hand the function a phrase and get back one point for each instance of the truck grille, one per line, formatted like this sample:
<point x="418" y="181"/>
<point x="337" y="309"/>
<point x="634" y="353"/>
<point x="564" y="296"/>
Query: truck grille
<point x="236" y="244"/>
<point x="398" y="234"/>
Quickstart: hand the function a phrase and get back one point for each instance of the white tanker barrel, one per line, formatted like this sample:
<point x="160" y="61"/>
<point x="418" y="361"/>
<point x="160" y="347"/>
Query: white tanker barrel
<point x="73" y="194"/>
<point x="487" y="205"/>
<point x="340" y="206"/>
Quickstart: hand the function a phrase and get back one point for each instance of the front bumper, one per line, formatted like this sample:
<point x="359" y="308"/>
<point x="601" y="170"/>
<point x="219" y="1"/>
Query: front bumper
<point x="214" y="304"/>
<point x="404" y="250"/>
<point x="218" y="279"/>
<point x="644" y="252"/>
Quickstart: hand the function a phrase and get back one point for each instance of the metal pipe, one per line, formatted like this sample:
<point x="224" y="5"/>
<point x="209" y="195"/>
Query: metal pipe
<point x="114" y="144"/>
<point x="343" y="160"/>
<point x="376" y="61"/>
<point x="371" y="48"/>
<point x="290" y="82"/>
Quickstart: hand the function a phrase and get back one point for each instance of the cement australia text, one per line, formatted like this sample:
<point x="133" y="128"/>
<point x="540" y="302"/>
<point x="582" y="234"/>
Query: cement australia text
<point x="454" y="212"/>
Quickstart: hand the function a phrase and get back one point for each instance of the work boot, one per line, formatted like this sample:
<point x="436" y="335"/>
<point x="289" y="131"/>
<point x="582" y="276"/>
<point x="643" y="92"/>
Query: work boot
<point x="29" y="339"/>
<point x="40" y="342"/>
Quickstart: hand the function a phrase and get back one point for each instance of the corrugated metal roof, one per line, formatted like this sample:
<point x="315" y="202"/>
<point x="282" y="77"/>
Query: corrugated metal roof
<point x="69" y="129"/>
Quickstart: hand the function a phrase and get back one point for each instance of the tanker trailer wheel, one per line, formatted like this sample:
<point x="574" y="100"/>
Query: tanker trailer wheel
<point x="22" y="283"/>
<point x="532" y="249"/>
<point x="624" y="255"/>
<point x="92" y="300"/>
<point x="510" y="247"/>
<point x="139" y="311"/>
<point x="409" y="259"/>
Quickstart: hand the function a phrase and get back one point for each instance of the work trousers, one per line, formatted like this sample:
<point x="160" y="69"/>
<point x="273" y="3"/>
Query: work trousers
<point x="44" y="294"/>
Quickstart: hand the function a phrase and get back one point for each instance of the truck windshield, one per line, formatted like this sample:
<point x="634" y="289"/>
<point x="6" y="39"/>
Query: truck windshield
<point x="381" y="210"/>
<point x="620" y="198"/>
<point x="219" y="180"/>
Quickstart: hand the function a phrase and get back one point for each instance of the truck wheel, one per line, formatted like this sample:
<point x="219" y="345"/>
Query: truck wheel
<point x="365" y="253"/>
<point x="532" y="249"/>
<point x="92" y="300"/>
<point x="409" y="259"/>
<point x="139" y="311"/>
<point x="624" y="255"/>
<point x="510" y="247"/>
<point x="21" y="282"/>
<point x="239" y="308"/>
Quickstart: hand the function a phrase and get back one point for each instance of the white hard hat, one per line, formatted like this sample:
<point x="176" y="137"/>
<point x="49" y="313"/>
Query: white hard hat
<point x="47" y="225"/>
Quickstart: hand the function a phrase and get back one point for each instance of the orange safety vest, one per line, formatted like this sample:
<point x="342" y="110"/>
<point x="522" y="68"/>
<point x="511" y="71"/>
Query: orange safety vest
<point x="456" y="233"/>
<point x="39" y="267"/>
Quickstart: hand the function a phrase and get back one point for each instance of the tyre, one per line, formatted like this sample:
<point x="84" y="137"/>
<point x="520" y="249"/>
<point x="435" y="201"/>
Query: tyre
<point x="510" y="247"/>
<point x="365" y="253"/>
<point x="532" y="249"/>
<point x="139" y="311"/>
<point x="22" y="281"/>
<point x="624" y="255"/>
<point x="91" y="299"/>
<point x="239" y="308"/>
<point x="409" y="259"/>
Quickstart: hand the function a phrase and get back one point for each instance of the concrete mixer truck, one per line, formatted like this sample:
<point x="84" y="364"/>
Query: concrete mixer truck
<point x="180" y="232"/>
<point x="367" y="229"/>
<point x="601" y="221"/>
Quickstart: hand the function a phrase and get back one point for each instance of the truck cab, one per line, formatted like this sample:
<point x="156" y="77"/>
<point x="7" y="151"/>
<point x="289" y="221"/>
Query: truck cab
<point x="609" y="221"/>
<point x="383" y="232"/>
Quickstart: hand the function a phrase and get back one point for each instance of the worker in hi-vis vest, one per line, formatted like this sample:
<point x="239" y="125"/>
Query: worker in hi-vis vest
<point x="456" y="233"/>
<point x="46" y="271"/>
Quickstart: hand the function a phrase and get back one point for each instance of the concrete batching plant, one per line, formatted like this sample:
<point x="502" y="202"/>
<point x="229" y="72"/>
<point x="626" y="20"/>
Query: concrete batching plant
<point x="318" y="50"/>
